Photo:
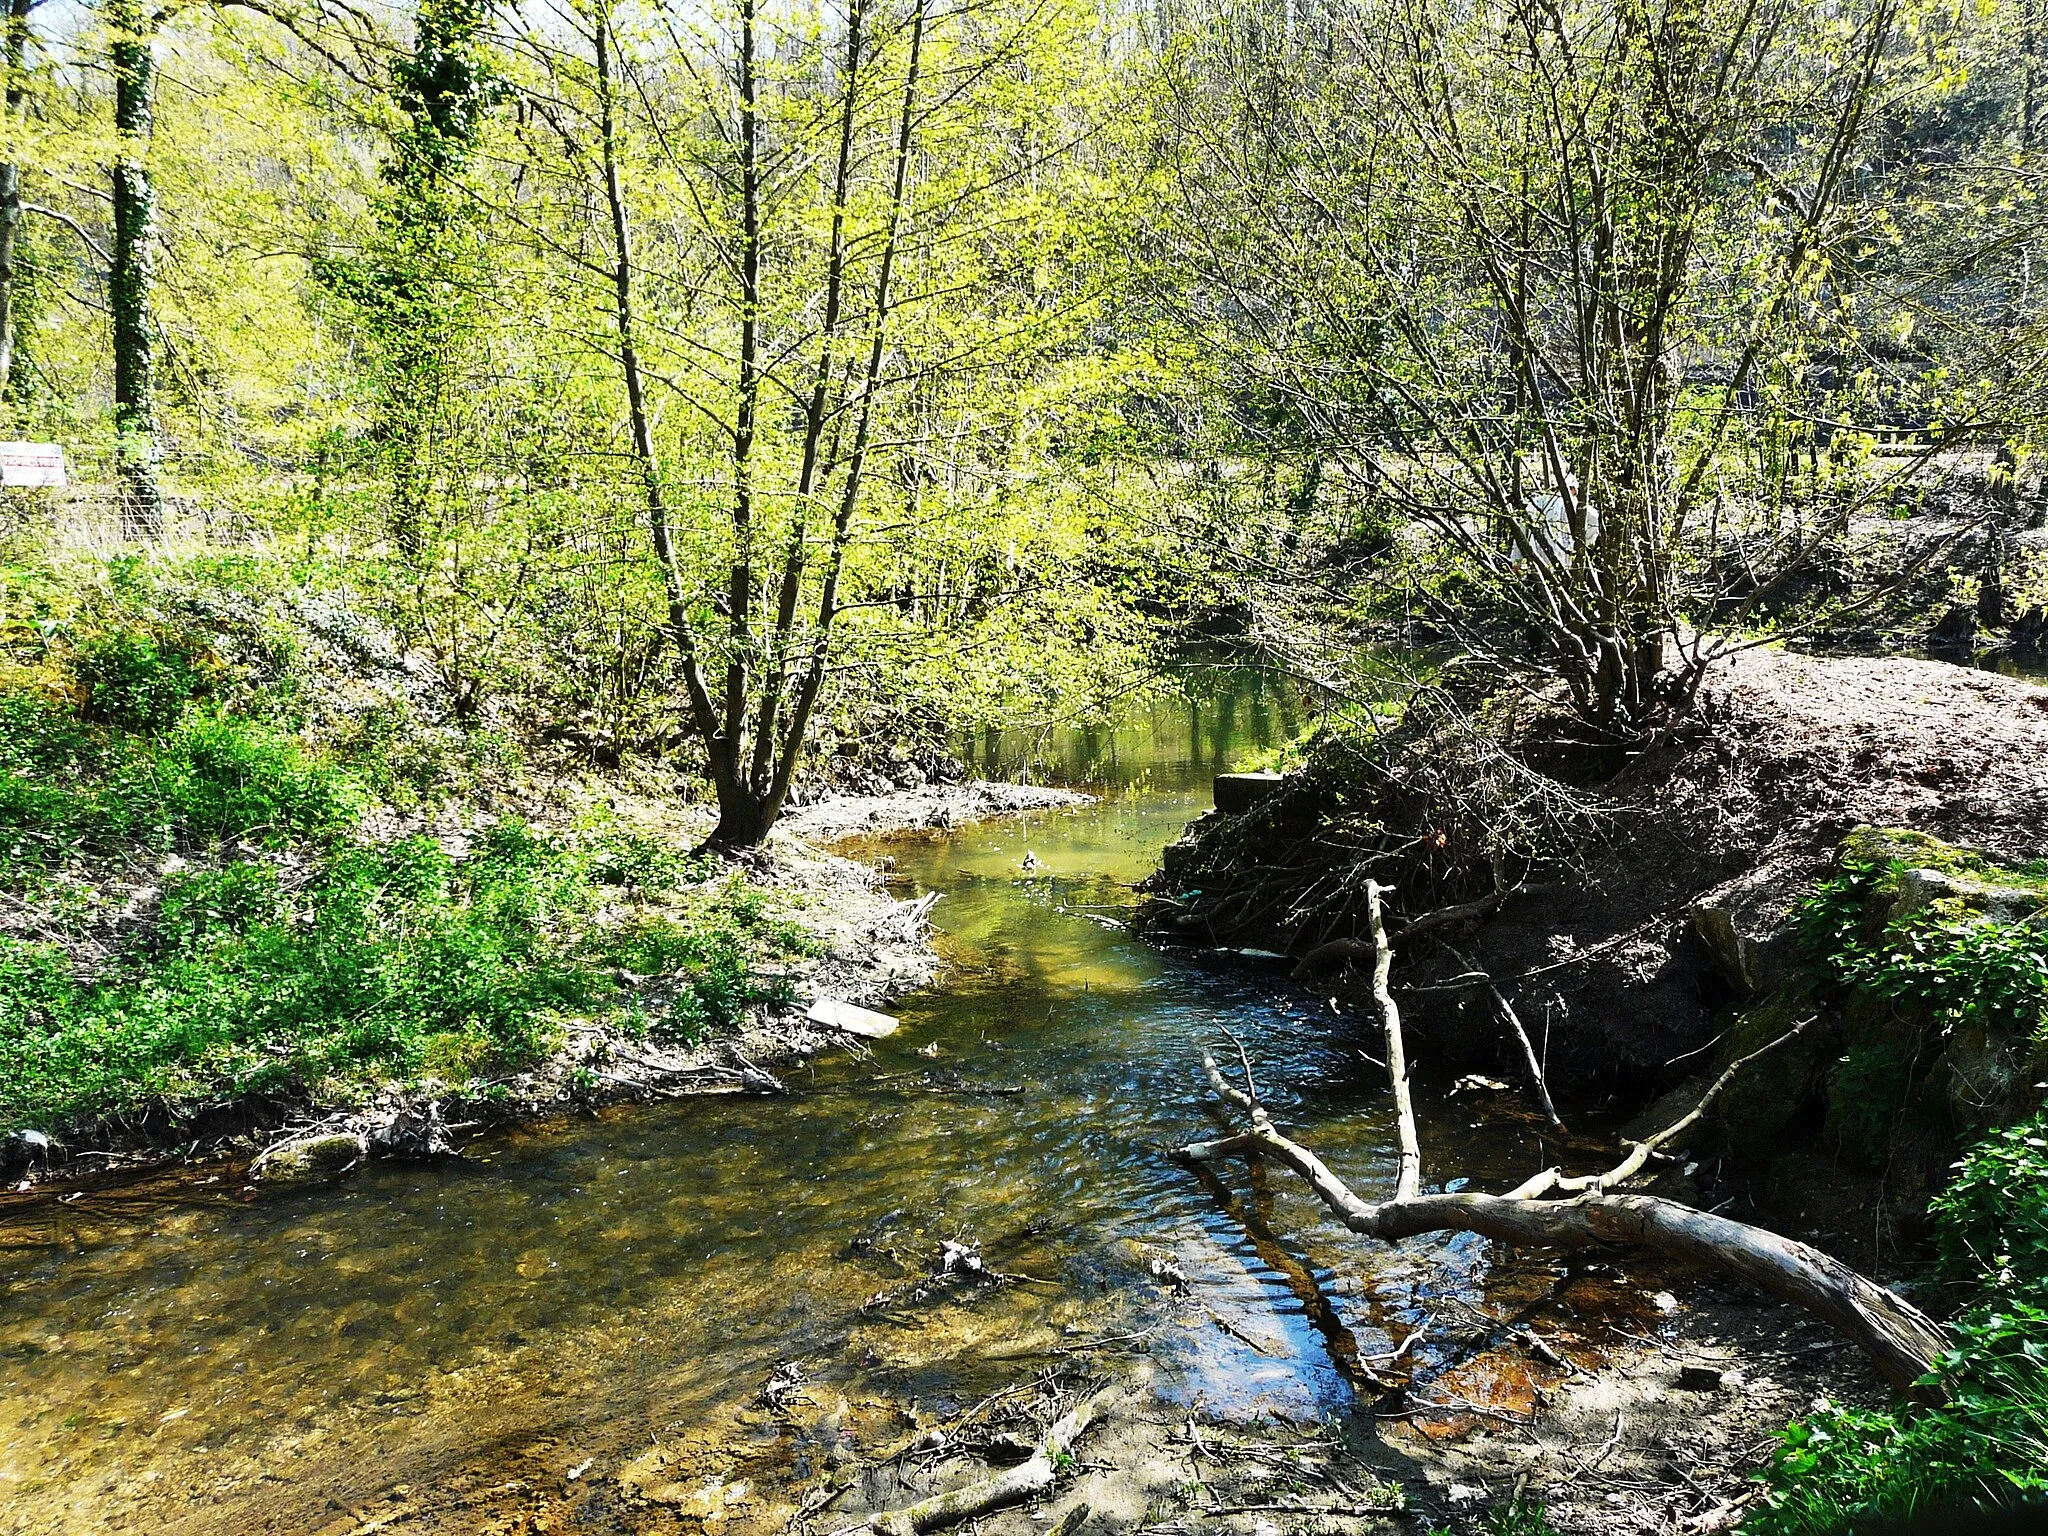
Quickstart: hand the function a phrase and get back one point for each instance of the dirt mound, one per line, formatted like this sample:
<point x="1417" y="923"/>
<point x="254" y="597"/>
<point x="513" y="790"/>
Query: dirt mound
<point x="1941" y="748"/>
<point x="1715" y="829"/>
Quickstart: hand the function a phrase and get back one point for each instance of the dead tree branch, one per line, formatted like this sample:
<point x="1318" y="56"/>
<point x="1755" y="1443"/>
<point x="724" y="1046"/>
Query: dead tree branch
<point x="1012" y="1485"/>
<point x="1902" y="1340"/>
<point x="1513" y="1020"/>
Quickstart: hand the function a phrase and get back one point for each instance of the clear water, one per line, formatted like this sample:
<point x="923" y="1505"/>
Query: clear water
<point x="448" y="1343"/>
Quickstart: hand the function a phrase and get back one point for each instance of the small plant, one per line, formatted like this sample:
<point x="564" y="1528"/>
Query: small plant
<point x="1963" y="969"/>
<point x="133" y="681"/>
<point x="69" y="787"/>
<point x="1992" y="1220"/>
<point x="1519" y="1517"/>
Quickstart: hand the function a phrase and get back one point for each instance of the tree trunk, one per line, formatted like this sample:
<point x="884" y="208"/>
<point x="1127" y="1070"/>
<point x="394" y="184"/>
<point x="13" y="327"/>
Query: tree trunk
<point x="16" y="52"/>
<point x="134" y="272"/>
<point x="744" y="818"/>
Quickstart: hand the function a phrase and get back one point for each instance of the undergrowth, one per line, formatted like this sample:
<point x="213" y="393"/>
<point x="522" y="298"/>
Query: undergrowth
<point x="71" y="787"/>
<point x="195" y="918"/>
<point x="1960" y="969"/>
<point x="1986" y="1441"/>
<point x="387" y="963"/>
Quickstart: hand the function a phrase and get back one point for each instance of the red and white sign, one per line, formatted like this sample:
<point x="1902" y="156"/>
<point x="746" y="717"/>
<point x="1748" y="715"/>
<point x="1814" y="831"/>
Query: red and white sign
<point x="31" y="464"/>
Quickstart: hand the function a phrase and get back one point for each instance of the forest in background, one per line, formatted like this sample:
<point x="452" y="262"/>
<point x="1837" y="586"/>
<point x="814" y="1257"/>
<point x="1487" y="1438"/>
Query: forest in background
<point x="756" y="376"/>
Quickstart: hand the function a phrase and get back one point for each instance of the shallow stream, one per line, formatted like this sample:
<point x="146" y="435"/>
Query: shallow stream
<point x="575" y="1323"/>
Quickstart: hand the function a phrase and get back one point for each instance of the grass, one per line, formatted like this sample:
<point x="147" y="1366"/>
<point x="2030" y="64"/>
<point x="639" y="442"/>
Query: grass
<point x="388" y="964"/>
<point x="207" y="927"/>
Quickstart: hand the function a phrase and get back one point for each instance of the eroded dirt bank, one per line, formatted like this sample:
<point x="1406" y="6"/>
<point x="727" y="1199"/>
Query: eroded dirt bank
<point x="1620" y="865"/>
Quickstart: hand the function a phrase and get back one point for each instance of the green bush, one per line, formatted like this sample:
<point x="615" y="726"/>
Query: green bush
<point x="70" y="787"/>
<point x="1843" y="1469"/>
<point x="1992" y="1220"/>
<point x="134" y="682"/>
<point x="1987" y="1440"/>
<point x="1959" y="970"/>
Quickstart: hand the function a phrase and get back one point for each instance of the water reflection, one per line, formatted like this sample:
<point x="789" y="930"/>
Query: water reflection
<point x="618" y="1289"/>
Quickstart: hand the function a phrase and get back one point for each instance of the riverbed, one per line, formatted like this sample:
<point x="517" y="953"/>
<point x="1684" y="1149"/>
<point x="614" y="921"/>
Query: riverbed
<point x="576" y="1324"/>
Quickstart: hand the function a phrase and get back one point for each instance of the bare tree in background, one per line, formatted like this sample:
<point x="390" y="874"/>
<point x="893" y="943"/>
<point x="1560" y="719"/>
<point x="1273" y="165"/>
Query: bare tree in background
<point x="1544" y="280"/>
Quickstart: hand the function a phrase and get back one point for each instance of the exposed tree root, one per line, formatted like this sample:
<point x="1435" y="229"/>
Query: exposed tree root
<point x="1901" y="1339"/>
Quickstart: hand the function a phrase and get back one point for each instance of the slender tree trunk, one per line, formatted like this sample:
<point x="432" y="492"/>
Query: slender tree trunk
<point x="789" y="596"/>
<point x="849" y="498"/>
<point x="16" y="55"/>
<point x="681" y="635"/>
<point x="134" y="271"/>
<point x="743" y="819"/>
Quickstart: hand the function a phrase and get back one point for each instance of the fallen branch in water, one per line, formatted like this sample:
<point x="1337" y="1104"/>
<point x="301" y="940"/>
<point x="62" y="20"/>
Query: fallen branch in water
<point x="1012" y="1485"/>
<point x="1513" y="1020"/>
<point x="1901" y="1339"/>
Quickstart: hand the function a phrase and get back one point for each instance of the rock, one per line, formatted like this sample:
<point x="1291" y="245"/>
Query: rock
<point x="1747" y="927"/>
<point x="311" y="1157"/>
<point x="1982" y="1076"/>
<point x="834" y="1014"/>
<point x="1241" y="791"/>
<point x="1939" y="874"/>
<point x="23" y="1150"/>
<point x="1920" y="889"/>
<point x="1767" y="1096"/>
<point x="1700" y="1378"/>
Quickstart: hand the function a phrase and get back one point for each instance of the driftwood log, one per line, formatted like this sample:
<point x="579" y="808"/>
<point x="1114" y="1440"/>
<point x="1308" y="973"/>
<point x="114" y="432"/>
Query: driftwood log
<point x="1012" y="1485"/>
<point x="1551" y="1210"/>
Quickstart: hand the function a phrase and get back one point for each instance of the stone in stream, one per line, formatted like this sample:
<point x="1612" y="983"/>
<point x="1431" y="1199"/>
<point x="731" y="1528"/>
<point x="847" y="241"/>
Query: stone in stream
<point x="1242" y="791"/>
<point x="310" y="1157"/>
<point x="23" y="1150"/>
<point x="834" y="1014"/>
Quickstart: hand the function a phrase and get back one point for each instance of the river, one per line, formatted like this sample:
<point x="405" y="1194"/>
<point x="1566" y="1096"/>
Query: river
<point x="607" y="1297"/>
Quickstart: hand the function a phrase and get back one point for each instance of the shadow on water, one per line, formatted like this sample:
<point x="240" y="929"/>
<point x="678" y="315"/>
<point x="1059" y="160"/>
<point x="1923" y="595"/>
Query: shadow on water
<point x="582" y="1291"/>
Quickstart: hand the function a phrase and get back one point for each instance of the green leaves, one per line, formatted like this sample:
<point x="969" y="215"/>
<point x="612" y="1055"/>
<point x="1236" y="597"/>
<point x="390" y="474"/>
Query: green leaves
<point x="69" y="787"/>
<point x="1988" y="1441"/>
<point x="382" y="963"/>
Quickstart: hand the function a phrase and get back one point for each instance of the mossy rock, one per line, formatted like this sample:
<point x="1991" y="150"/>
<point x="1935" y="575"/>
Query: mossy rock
<point x="1923" y="873"/>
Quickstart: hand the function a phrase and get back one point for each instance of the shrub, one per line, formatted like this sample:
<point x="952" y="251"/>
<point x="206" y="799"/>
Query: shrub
<point x="69" y="787"/>
<point x="133" y="681"/>
<point x="1987" y="1440"/>
<point x="1992" y="1221"/>
<point x="1959" y="969"/>
<point x="1986" y="1444"/>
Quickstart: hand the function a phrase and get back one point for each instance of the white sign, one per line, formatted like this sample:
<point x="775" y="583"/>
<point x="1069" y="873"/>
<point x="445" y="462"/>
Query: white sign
<point x="31" y="464"/>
